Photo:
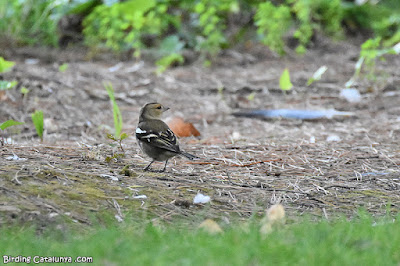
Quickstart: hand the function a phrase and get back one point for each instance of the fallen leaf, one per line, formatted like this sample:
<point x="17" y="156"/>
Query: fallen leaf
<point x="182" y="128"/>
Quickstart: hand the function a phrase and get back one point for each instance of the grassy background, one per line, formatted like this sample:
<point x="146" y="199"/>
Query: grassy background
<point x="362" y="241"/>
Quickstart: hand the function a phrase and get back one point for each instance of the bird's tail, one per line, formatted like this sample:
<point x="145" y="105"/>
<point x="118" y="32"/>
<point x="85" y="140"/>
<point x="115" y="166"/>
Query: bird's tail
<point x="188" y="155"/>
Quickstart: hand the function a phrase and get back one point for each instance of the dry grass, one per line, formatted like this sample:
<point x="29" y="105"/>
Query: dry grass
<point x="242" y="179"/>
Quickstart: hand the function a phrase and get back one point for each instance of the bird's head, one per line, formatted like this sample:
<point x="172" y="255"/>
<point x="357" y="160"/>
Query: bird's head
<point x="153" y="111"/>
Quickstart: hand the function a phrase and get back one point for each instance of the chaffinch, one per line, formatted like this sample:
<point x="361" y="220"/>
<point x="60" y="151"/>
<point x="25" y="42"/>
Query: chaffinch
<point x="155" y="138"/>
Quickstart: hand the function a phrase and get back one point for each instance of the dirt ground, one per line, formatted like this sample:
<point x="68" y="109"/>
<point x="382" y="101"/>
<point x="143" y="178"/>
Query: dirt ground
<point x="245" y="164"/>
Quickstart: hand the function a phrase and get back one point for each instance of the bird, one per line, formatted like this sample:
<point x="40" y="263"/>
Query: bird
<point x="155" y="138"/>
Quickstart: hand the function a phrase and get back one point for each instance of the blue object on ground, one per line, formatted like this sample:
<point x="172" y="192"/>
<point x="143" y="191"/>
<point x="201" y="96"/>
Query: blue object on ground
<point x="293" y="113"/>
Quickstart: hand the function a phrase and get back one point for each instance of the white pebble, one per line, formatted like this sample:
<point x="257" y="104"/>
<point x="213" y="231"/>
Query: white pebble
<point x="200" y="198"/>
<point x="140" y="197"/>
<point x="333" y="138"/>
<point x="351" y="95"/>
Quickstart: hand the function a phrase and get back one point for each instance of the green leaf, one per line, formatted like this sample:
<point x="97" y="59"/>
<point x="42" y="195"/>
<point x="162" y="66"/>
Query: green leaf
<point x="317" y="75"/>
<point x="6" y="85"/>
<point x="63" y="67"/>
<point x="5" y="65"/>
<point x="234" y="7"/>
<point x="171" y="44"/>
<point x="9" y="123"/>
<point x="85" y="7"/>
<point x="111" y="136"/>
<point x="207" y="63"/>
<point x="116" y="112"/>
<point x="37" y="119"/>
<point x="359" y="64"/>
<point x="140" y="6"/>
<point x="168" y="60"/>
<point x="199" y="8"/>
<point x="24" y="90"/>
<point x="272" y="23"/>
<point x="123" y="136"/>
<point x="300" y="49"/>
<point x="251" y="96"/>
<point x="284" y="81"/>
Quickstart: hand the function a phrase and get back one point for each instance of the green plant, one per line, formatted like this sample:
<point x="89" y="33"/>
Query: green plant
<point x="121" y="26"/>
<point x="212" y="23"/>
<point x="30" y="21"/>
<point x="118" y="136"/>
<point x="37" y="118"/>
<point x="272" y="22"/>
<point x="251" y="96"/>
<point x="4" y="67"/>
<point x="329" y="14"/>
<point x="63" y="67"/>
<point x="284" y="81"/>
<point x="116" y="112"/>
<point x="119" y="141"/>
<point x="365" y="240"/>
<point x="371" y="50"/>
<point x="206" y="26"/>
<point x="114" y="157"/>
<point x="7" y="85"/>
<point x="317" y="75"/>
<point x="171" y="48"/>
<point x="381" y="17"/>
<point x="24" y="91"/>
<point x="166" y="61"/>
<point x="313" y="15"/>
<point x="303" y="11"/>
<point x="7" y="124"/>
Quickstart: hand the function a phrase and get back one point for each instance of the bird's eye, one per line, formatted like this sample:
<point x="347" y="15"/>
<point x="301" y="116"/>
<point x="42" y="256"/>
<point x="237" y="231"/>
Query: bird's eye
<point x="159" y="107"/>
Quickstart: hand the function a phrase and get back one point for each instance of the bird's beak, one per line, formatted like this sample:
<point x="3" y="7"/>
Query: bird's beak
<point x="166" y="108"/>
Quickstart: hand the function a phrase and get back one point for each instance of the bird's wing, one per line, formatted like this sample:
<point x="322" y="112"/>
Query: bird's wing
<point x="164" y="139"/>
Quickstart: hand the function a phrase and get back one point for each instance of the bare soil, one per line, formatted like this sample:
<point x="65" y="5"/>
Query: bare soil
<point x="245" y="164"/>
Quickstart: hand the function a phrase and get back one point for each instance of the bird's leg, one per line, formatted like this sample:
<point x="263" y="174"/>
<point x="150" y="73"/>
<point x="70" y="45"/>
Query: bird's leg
<point x="165" y="166"/>
<point x="147" y="167"/>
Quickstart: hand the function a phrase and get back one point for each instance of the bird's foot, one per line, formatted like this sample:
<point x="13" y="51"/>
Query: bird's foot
<point x="153" y="170"/>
